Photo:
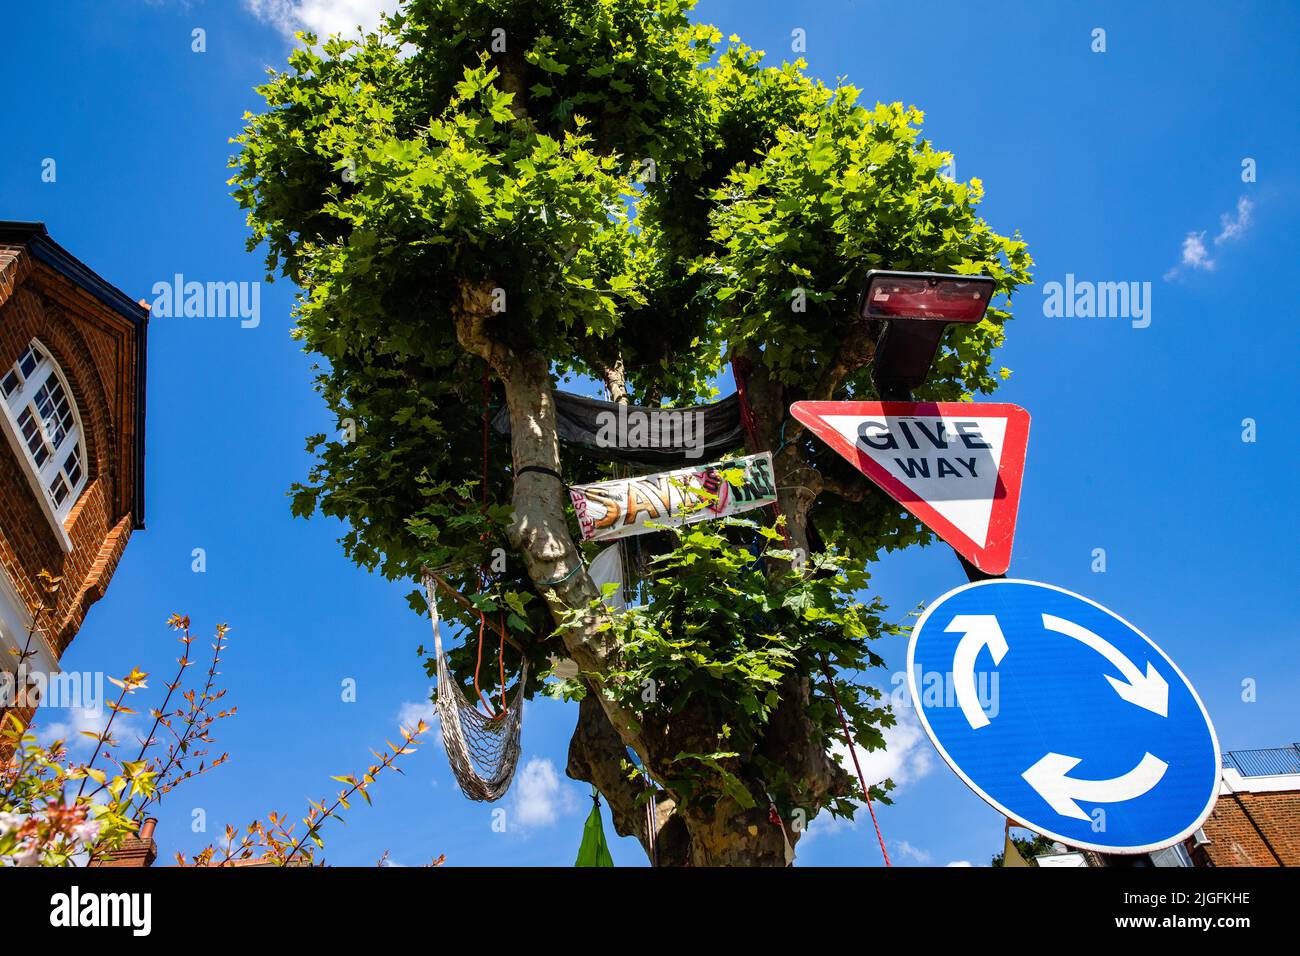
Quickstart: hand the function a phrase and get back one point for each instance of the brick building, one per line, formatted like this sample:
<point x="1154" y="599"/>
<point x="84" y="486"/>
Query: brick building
<point x="72" y="386"/>
<point x="1256" y="821"/>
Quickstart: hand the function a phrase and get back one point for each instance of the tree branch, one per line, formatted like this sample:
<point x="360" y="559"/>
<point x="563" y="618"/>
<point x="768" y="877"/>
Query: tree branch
<point x="856" y="351"/>
<point x="817" y="775"/>
<point x="616" y="381"/>
<point x="465" y="603"/>
<point x="850" y="490"/>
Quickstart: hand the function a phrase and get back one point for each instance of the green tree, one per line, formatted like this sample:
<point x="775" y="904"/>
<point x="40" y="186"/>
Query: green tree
<point x="1029" y="848"/>
<point x="480" y="198"/>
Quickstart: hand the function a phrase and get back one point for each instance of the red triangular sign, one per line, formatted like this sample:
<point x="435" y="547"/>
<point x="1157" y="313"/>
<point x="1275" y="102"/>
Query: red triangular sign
<point x="955" y="465"/>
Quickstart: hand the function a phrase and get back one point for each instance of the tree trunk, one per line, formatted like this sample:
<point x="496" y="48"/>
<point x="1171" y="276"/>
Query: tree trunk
<point x="730" y="836"/>
<point x="598" y="755"/>
<point x="716" y="833"/>
<point x="539" y="532"/>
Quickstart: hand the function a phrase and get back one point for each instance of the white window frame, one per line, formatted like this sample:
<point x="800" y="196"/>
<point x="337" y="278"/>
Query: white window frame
<point x="42" y="476"/>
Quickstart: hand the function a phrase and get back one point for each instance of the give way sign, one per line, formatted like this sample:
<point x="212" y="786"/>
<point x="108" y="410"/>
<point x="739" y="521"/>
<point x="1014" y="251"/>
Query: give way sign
<point x="955" y="465"/>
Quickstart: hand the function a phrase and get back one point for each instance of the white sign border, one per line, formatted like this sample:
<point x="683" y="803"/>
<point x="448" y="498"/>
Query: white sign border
<point x="1016" y="818"/>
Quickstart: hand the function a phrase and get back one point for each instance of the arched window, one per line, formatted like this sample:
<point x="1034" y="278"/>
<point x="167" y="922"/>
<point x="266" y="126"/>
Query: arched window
<point x="43" y="421"/>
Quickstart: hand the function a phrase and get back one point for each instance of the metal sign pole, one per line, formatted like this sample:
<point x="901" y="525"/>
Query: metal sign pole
<point x="1114" y="764"/>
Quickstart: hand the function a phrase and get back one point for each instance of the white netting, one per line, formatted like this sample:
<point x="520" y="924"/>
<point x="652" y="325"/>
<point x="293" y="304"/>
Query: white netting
<point x="482" y="751"/>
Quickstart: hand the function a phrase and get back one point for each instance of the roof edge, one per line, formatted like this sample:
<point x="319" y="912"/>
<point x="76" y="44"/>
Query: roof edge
<point x="35" y="237"/>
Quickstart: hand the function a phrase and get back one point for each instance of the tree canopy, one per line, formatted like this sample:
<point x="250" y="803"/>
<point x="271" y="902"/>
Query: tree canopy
<point x="483" y="196"/>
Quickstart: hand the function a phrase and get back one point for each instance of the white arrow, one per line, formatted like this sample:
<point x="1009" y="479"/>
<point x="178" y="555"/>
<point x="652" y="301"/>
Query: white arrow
<point x="981" y="630"/>
<point x="1150" y="692"/>
<point x="1048" y="777"/>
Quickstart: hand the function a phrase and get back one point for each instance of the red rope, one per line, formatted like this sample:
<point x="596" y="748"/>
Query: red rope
<point x="740" y="368"/>
<point x="857" y="766"/>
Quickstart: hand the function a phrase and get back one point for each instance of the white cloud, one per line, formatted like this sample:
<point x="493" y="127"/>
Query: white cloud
<point x="910" y="852"/>
<point x="907" y="756"/>
<point x="1233" y="226"/>
<point x="78" y="722"/>
<point x="322" y="17"/>
<point x="413" y="711"/>
<point x="540" y="795"/>
<point x="1196" y="253"/>
<point x="961" y="863"/>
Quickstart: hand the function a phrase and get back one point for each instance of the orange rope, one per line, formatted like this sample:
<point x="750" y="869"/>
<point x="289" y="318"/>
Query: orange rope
<point x="483" y="583"/>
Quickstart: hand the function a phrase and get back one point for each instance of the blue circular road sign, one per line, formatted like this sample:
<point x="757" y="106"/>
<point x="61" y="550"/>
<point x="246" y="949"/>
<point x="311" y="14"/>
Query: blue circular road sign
<point x="1063" y="716"/>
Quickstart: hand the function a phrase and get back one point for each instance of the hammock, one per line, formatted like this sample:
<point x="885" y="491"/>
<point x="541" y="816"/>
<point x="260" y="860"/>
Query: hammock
<point x="482" y="750"/>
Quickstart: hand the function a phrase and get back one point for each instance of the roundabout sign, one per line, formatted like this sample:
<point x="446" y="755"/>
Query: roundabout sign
<point x="1091" y="736"/>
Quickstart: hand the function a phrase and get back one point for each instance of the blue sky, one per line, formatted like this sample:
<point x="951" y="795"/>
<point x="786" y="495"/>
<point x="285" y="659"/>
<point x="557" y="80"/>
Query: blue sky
<point x="1115" y="166"/>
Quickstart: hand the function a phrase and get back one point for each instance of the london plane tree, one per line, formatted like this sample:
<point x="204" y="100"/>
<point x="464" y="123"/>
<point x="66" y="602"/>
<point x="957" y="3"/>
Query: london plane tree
<point x="478" y="199"/>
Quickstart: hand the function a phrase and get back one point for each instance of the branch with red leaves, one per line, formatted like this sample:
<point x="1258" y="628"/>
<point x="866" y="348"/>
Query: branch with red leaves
<point x="273" y="843"/>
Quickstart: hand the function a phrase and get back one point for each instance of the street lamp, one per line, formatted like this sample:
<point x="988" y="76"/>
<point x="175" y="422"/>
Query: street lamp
<point x="916" y="307"/>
